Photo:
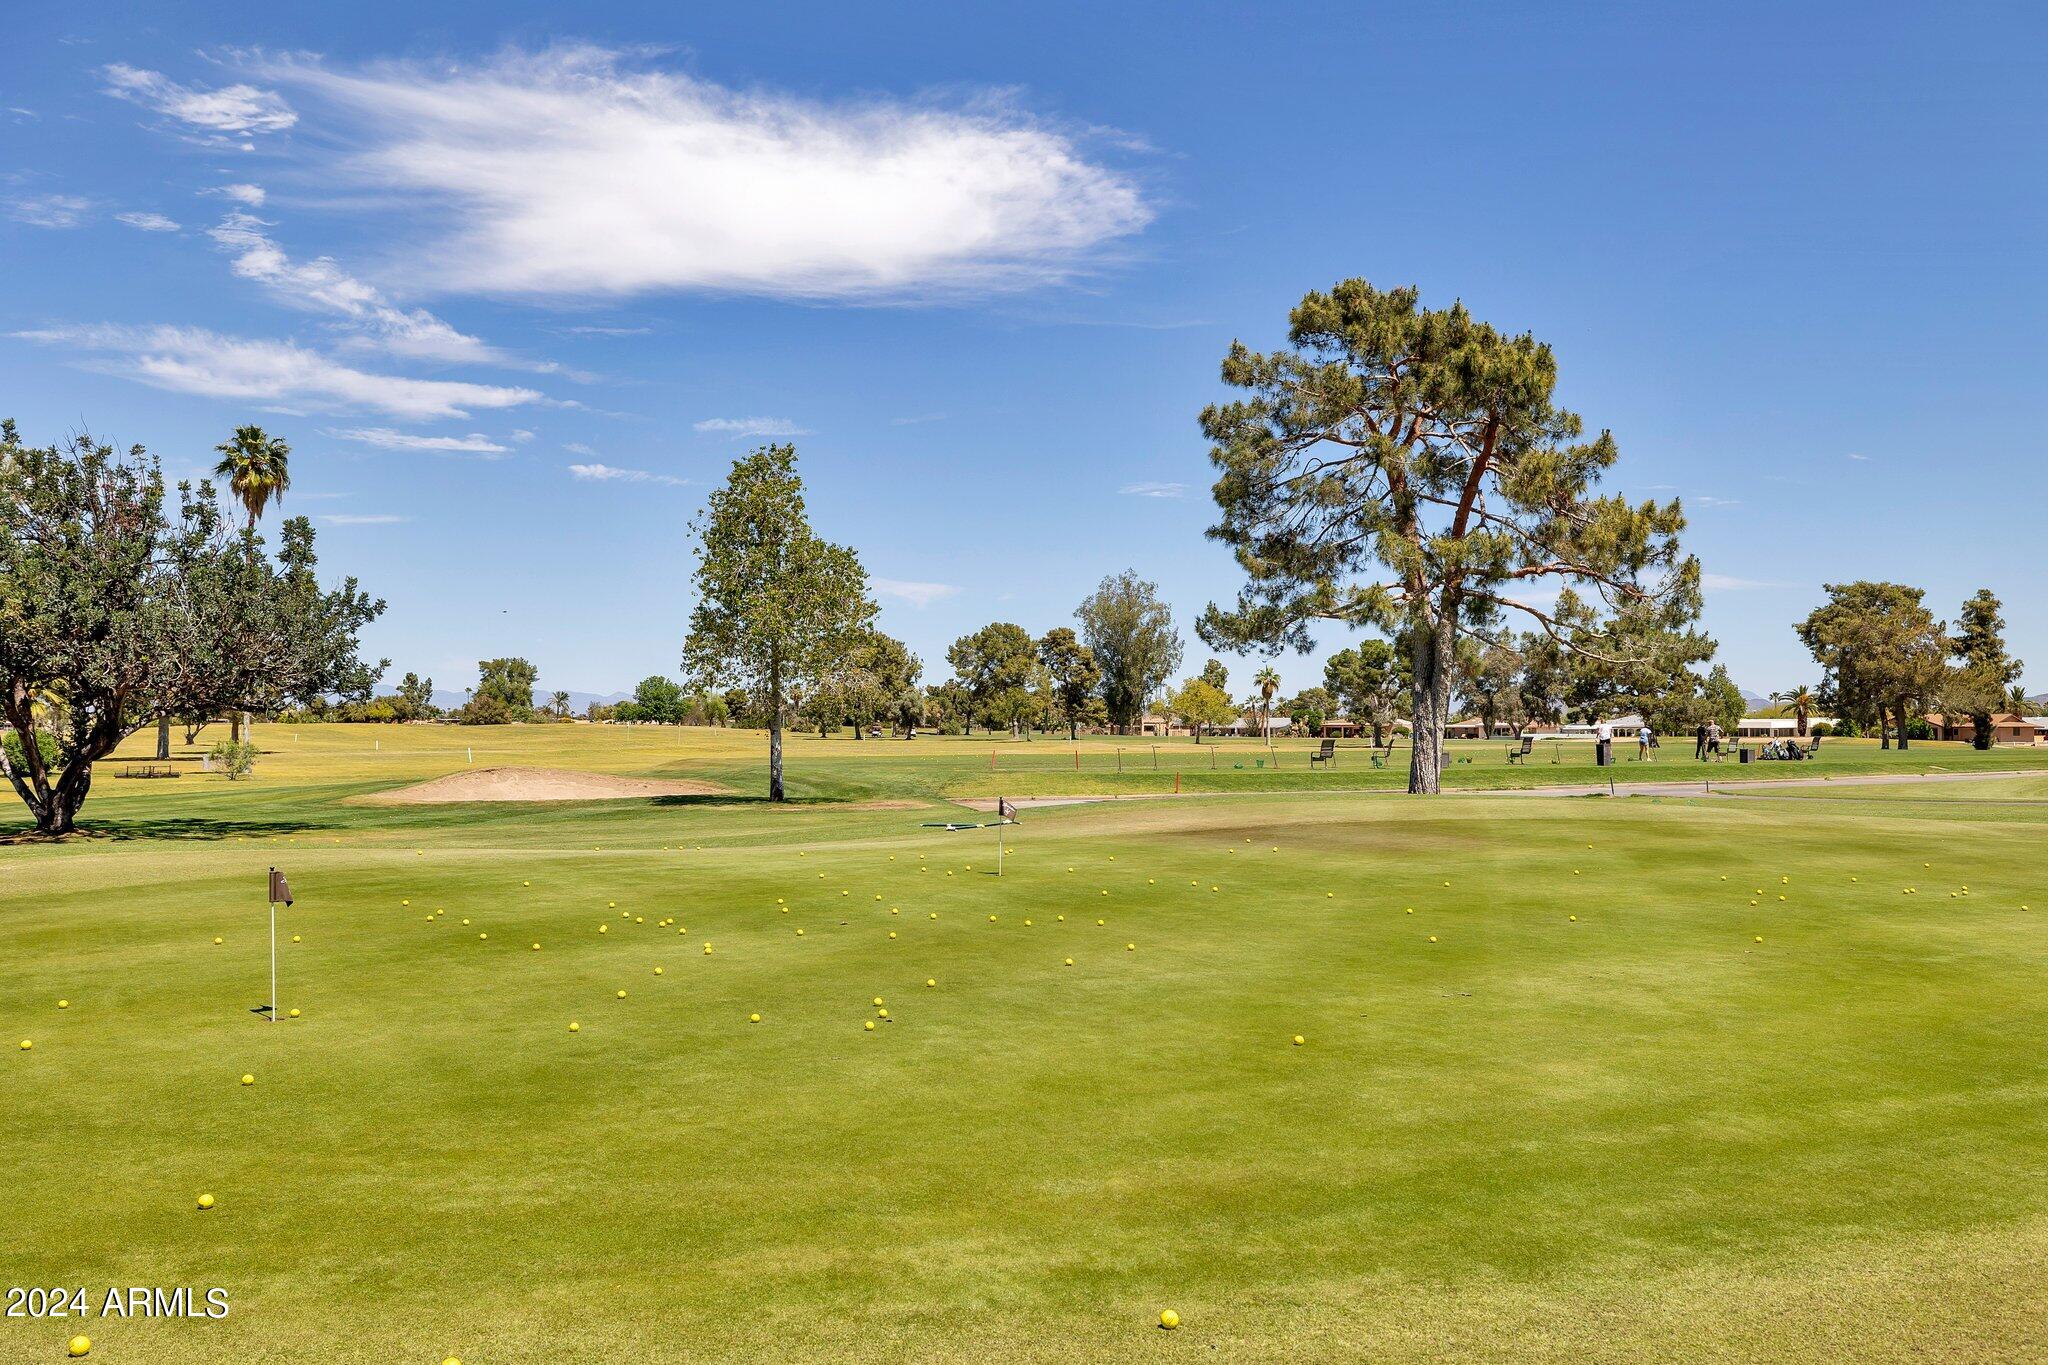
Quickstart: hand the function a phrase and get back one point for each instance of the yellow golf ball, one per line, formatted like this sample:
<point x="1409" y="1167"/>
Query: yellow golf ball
<point x="293" y="1013"/>
<point x="1299" y="1040"/>
<point x="753" y="1018"/>
<point x="63" y="1004"/>
<point x="1169" y="1319"/>
<point x="205" y="1201"/>
<point x="248" y="1080"/>
<point x="80" y="1345"/>
<point x="870" y="1024"/>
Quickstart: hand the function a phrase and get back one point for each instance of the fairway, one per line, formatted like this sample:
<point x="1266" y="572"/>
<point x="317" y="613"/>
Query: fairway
<point x="1578" y="1079"/>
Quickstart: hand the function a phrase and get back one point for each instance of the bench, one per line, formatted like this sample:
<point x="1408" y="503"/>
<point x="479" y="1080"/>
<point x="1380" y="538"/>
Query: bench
<point x="1326" y="754"/>
<point x="150" y="770"/>
<point x="1528" y="747"/>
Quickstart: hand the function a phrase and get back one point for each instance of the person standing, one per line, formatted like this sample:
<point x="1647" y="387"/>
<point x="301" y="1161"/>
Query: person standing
<point x="1643" y="738"/>
<point x="1699" y="744"/>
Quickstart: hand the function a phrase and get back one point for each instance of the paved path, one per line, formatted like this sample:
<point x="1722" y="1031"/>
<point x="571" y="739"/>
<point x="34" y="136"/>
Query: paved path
<point x="1711" y="787"/>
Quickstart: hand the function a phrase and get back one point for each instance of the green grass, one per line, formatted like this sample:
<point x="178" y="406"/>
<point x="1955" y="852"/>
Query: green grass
<point x="1636" y="1135"/>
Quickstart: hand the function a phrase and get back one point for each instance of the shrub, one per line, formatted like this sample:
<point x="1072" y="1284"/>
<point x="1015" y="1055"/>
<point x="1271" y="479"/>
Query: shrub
<point x="46" y="745"/>
<point x="235" y="758"/>
<point x="1823" y="730"/>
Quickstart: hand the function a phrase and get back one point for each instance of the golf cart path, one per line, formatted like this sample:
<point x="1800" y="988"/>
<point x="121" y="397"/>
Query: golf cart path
<point x="1734" y="787"/>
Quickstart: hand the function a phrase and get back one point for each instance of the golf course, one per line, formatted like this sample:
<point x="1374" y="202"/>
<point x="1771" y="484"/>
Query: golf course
<point x="1326" y="1073"/>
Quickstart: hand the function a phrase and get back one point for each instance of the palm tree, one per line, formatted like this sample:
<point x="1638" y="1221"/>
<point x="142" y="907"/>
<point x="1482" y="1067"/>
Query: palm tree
<point x="561" y="704"/>
<point x="1800" y="699"/>
<point x="256" y="468"/>
<point x="1269" y="683"/>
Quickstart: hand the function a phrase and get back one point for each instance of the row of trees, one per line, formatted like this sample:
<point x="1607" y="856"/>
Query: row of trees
<point x="121" y="608"/>
<point x="1886" y="660"/>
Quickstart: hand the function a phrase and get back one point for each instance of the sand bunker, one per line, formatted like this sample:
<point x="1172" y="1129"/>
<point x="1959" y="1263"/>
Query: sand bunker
<point x="538" y="784"/>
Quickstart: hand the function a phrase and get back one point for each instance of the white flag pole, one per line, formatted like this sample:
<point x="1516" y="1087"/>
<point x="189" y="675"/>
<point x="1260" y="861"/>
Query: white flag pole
<point x="273" y="962"/>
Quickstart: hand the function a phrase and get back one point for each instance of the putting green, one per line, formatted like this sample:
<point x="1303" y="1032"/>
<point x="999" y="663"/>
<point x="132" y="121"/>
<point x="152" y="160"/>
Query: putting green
<point x="1506" y="1132"/>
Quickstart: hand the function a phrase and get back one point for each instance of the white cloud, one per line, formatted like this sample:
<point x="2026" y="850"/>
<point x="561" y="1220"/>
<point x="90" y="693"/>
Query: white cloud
<point x="195" y="360"/>
<point x="572" y="172"/>
<point x="522" y="435"/>
<point x="919" y="595"/>
<point x="751" y="426"/>
<point x="578" y="448"/>
<point x="384" y="438"/>
<point x="1854" y="456"/>
<point x="604" y="473"/>
<point x="1155" y="490"/>
<point x="321" y="285"/>
<point x="49" y="210"/>
<point x="587" y="331"/>
<point x="364" y="518"/>
<point x="239" y="110"/>
<point x="148" y="222"/>
<point x="1726" y="583"/>
<point x="252" y="195"/>
<point x="918" y="420"/>
<point x="1709" y="500"/>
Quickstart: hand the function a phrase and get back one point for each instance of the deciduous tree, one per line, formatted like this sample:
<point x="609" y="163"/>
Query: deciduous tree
<point x="127" y="613"/>
<point x="1200" y="705"/>
<point x="1075" y="675"/>
<point x="1881" y="653"/>
<point x="776" y="605"/>
<point x="1131" y="634"/>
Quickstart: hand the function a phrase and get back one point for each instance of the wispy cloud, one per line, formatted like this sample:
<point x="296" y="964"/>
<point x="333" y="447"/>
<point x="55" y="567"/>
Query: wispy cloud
<point x="384" y="438"/>
<point x="236" y="111"/>
<point x="918" y="595"/>
<point x="604" y="473"/>
<point x="1854" y="456"/>
<point x="751" y="426"/>
<point x="251" y="195"/>
<point x="578" y="171"/>
<point x="321" y="285"/>
<point x="148" y="222"/>
<point x="50" y="210"/>
<point x="1155" y="490"/>
<point x="1709" y="500"/>
<point x="364" y="518"/>
<point x="918" y="420"/>
<point x="1722" y="582"/>
<point x="589" y="331"/>
<point x="262" y="370"/>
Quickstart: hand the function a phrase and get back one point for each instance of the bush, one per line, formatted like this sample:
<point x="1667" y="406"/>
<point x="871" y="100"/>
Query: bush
<point x="1823" y="730"/>
<point x="235" y="758"/>
<point x="46" y="745"/>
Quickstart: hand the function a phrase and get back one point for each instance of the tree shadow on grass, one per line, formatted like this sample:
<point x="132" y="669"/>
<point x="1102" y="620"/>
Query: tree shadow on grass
<point x="186" y="828"/>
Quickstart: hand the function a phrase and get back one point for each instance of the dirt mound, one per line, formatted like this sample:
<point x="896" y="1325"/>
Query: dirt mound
<point x="537" y="784"/>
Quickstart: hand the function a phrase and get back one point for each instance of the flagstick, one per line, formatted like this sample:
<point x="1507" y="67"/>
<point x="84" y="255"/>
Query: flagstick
<point x="999" y="836"/>
<point x="273" y="962"/>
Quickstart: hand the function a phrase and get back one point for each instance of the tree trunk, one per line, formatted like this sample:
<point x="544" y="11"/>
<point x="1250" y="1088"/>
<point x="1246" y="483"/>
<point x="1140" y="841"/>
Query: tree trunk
<point x="1902" y="724"/>
<point x="1982" y="725"/>
<point x="1884" y="728"/>
<point x="1431" y="652"/>
<point x="163" y="738"/>
<point x="775" y="732"/>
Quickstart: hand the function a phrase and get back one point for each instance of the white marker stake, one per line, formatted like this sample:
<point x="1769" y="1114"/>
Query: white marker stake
<point x="280" y="893"/>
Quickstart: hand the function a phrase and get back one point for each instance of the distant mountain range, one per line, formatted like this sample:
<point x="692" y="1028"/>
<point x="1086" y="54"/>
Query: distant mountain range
<point x="579" y="702"/>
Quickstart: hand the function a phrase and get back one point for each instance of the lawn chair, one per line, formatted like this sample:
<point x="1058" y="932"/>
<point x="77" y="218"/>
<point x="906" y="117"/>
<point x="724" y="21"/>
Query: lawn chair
<point x="1326" y="754"/>
<point x="1528" y="747"/>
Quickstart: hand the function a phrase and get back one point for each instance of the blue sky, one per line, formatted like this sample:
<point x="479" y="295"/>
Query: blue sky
<point x="517" y="282"/>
